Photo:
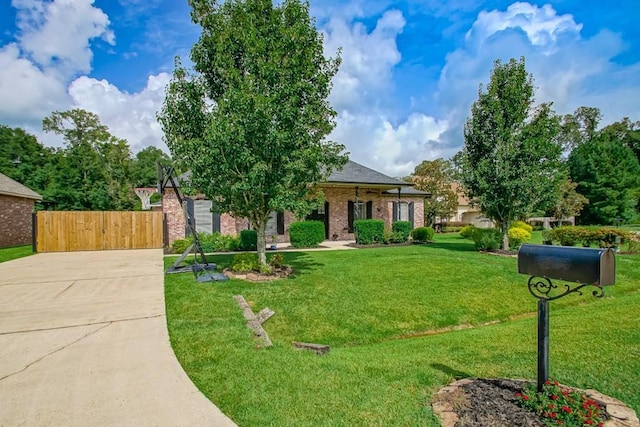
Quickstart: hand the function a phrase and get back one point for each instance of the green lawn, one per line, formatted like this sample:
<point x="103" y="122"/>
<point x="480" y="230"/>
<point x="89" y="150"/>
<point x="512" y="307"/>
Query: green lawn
<point x="390" y="316"/>
<point x="7" y="254"/>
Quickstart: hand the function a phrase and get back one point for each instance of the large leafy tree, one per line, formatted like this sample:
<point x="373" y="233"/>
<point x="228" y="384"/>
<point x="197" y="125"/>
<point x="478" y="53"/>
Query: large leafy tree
<point x="250" y="121"/>
<point x="579" y="127"/>
<point x="145" y="172"/>
<point x="436" y="177"/>
<point x="93" y="170"/>
<point x="569" y="202"/>
<point x="608" y="174"/>
<point x="510" y="163"/>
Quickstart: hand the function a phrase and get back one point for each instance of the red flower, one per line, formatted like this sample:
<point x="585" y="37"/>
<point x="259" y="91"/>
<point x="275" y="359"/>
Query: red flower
<point x="589" y="422"/>
<point x="553" y="415"/>
<point x="551" y="406"/>
<point x="554" y="397"/>
<point x="525" y="397"/>
<point x="566" y="409"/>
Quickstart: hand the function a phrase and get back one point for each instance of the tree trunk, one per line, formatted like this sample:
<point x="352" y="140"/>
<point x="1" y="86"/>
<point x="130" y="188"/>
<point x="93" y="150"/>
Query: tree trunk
<point x="262" y="242"/>
<point x="505" y="235"/>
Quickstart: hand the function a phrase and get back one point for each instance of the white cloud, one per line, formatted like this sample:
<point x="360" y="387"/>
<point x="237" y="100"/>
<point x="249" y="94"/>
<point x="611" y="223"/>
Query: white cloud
<point x="568" y="70"/>
<point x="56" y="35"/>
<point x="128" y="116"/>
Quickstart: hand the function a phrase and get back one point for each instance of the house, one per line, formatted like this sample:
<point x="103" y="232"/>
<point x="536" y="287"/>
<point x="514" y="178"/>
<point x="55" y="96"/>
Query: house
<point x="467" y="212"/>
<point x="16" y="209"/>
<point x="353" y="192"/>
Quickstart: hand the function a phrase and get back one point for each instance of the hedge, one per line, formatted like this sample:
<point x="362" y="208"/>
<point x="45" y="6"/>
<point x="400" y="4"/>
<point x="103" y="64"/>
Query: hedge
<point x="402" y="229"/>
<point x="306" y="234"/>
<point x="369" y="231"/>
<point x="248" y="240"/>
<point x="423" y="234"/>
<point x="487" y="239"/>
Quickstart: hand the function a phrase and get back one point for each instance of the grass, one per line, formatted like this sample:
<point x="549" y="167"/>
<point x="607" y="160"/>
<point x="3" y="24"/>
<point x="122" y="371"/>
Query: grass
<point x="7" y="254"/>
<point x="388" y="315"/>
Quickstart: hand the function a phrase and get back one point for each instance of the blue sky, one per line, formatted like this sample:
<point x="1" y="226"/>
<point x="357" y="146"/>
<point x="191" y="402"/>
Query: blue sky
<point x="410" y="70"/>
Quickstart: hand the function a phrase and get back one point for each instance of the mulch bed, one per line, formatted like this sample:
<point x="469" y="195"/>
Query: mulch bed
<point x="491" y="402"/>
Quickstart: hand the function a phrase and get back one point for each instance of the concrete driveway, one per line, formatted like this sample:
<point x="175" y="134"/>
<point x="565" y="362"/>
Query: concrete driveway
<point x="83" y="341"/>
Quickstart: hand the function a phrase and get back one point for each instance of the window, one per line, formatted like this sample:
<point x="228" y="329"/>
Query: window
<point x="404" y="211"/>
<point x="359" y="211"/>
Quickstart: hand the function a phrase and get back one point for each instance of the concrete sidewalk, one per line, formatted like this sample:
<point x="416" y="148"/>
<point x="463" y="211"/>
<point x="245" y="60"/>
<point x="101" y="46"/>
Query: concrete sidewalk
<point x="83" y="341"/>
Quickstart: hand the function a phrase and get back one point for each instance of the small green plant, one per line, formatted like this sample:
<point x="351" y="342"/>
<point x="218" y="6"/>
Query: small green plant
<point x="401" y="230"/>
<point x="518" y="236"/>
<point x="306" y="234"/>
<point x="248" y="240"/>
<point x="557" y="405"/>
<point x="467" y="231"/>
<point x="276" y="261"/>
<point x="245" y="262"/>
<point x="487" y="239"/>
<point x="369" y="231"/>
<point x="423" y="234"/>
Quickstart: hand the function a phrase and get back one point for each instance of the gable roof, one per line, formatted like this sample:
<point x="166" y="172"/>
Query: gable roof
<point x="9" y="187"/>
<point x="355" y="174"/>
<point x="407" y="191"/>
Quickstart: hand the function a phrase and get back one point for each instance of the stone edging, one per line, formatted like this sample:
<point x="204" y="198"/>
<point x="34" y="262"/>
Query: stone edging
<point x="253" y="276"/>
<point x="621" y="415"/>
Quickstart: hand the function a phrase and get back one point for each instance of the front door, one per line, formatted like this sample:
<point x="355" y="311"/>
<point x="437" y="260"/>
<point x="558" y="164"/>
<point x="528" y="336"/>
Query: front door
<point x="321" y="214"/>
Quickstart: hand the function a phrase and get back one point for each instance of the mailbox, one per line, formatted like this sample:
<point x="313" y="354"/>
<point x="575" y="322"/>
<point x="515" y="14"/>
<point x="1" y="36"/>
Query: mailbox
<point x="580" y="265"/>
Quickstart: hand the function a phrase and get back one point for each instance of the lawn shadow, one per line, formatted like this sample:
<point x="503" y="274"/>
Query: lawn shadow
<point x="462" y="246"/>
<point x="450" y="371"/>
<point x="301" y="262"/>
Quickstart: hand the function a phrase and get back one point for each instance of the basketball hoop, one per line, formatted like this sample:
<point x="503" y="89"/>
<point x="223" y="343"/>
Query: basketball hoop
<point x="145" y="196"/>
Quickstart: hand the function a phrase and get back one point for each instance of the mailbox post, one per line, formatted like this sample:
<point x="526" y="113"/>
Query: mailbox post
<point x="581" y="266"/>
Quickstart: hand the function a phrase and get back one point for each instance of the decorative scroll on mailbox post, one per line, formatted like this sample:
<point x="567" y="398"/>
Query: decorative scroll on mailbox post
<point x="580" y="266"/>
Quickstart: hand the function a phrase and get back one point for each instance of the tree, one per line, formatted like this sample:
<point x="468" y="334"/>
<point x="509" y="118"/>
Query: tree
<point x="569" y="201"/>
<point x="93" y="169"/>
<point x="510" y="162"/>
<point x="579" y="127"/>
<point x="627" y="132"/>
<point x="145" y="172"/>
<point x="608" y="174"/>
<point x="250" y="121"/>
<point x="435" y="177"/>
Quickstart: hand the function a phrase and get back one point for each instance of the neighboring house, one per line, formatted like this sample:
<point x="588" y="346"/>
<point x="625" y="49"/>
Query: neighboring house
<point x="468" y="213"/>
<point x="354" y="192"/>
<point x="16" y="209"/>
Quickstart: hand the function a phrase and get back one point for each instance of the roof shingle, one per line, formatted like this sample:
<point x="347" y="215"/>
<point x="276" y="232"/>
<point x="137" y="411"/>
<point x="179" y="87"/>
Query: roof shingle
<point x="9" y="187"/>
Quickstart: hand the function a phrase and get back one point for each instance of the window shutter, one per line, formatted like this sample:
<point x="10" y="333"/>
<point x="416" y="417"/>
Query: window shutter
<point x="350" y="216"/>
<point x="395" y="211"/>
<point x="215" y="218"/>
<point x="190" y="216"/>
<point x="411" y="214"/>
<point x="370" y="209"/>
<point x="280" y="223"/>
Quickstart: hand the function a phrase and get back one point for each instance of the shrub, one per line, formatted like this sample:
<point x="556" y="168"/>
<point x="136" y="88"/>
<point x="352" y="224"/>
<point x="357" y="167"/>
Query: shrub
<point x="487" y="239"/>
<point x="454" y="229"/>
<point x="402" y="229"/>
<point x="518" y="236"/>
<point x="248" y="240"/>
<point x="537" y="225"/>
<point x="369" y="231"/>
<point x="181" y="245"/>
<point x="245" y="262"/>
<point x="608" y="237"/>
<point x="467" y="231"/>
<point x="276" y="261"/>
<point x="567" y="235"/>
<point x="306" y="234"/>
<point x="633" y="243"/>
<point x="423" y="234"/>
<point x="523" y="225"/>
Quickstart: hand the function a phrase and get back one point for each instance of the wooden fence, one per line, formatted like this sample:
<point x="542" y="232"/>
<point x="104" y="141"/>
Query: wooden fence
<point x="62" y="231"/>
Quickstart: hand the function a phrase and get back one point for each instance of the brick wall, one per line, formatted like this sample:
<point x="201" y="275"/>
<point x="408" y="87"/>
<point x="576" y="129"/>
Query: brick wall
<point x="175" y="216"/>
<point x="15" y="221"/>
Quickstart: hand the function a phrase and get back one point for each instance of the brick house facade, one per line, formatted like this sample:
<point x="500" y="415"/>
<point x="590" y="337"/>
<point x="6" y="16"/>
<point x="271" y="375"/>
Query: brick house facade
<point x="351" y="193"/>
<point x="16" y="209"/>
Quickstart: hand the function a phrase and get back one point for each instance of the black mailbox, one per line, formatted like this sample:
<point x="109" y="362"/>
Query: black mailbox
<point x="580" y="265"/>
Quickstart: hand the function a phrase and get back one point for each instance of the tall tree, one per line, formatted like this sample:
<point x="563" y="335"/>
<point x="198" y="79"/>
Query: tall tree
<point x="510" y="162"/>
<point x="251" y="121"/>
<point x="569" y="202"/>
<point x="627" y="132"/>
<point x="608" y="174"/>
<point x="145" y="172"/>
<point x="436" y="177"/>
<point x="579" y="127"/>
<point x="93" y="167"/>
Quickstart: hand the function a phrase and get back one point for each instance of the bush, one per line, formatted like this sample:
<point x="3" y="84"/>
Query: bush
<point x="423" y="234"/>
<point x="632" y="243"/>
<point x="245" y="262"/>
<point x="306" y="234"/>
<point x="567" y="235"/>
<point x="523" y="225"/>
<point x="487" y="239"/>
<point x="369" y="231"/>
<point x="467" y="231"/>
<point x="454" y="229"/>
<point x="518" y="236"/>
<point x="248" y="240"/>
<point x="216" y="242"/>
<point x="402" y="229"/>
<point x="181" y="245"/>
<point x="276" y="261"/>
